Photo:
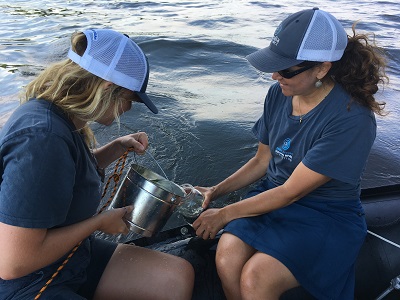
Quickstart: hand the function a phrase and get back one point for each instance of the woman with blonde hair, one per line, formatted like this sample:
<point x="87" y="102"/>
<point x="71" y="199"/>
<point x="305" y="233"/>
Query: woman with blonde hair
<point x="51" y="182"/>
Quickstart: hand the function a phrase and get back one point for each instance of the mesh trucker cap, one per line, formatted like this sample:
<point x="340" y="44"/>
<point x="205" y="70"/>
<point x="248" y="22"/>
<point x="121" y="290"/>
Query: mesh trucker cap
<point x="116" y="58"/>
<point x="308" y="35"/>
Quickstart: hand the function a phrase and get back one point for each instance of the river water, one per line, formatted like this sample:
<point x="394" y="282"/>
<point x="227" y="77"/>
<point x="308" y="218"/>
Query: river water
<point x="208" y="95"/>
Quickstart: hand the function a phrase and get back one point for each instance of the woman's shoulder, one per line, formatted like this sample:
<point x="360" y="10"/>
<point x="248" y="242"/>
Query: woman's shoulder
<point x="36" y="117"/>
<point x="342" y="102"/>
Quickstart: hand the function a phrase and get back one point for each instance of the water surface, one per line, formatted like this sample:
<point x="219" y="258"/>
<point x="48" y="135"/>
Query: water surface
<point x="208" y="95"/>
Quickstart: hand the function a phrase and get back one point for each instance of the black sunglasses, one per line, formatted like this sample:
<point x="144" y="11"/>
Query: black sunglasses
<point x="289" y="74"/>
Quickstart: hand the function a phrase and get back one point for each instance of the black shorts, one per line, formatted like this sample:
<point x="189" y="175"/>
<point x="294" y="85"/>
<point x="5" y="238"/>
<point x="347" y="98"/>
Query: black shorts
<point x="101" y="252"/>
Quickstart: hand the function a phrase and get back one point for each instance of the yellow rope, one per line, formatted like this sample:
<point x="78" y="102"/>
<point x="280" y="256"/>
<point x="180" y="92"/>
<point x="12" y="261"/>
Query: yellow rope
<point x="118" y="169"/>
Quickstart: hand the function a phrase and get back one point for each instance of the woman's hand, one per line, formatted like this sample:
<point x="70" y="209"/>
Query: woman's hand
<point x="112" y="221"/>
<point x="137" y="142"/>
<point x="209" y="223"/>
<point x="208" y="194"/>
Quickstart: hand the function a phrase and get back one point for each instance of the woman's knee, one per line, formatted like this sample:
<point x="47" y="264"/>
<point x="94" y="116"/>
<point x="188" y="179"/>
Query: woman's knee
<point x="180" y="276"/>
<point x="137" y="267"/>
<point x="186" y="271"/>
<point x="264" y="277"/>
<point x="221" y="259"/>
<point x="251" y="280"/>
<point x="232" y="254"/>
<point x="225" y="260"/>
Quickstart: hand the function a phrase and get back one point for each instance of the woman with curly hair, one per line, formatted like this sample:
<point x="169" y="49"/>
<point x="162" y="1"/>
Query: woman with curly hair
<point x="51" y="183"/>
<point x="303" y="224"/>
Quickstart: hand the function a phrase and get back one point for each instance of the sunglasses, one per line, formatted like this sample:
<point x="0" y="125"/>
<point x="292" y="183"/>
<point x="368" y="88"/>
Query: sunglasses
<point x="289" y="74"/>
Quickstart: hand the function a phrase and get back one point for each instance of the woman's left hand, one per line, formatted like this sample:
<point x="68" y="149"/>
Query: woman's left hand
<point x="137" y="142"/>
<point x="209" y="223"/>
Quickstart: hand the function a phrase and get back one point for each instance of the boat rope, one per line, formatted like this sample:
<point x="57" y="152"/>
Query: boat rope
<point x="116" y="176"/>
<point x="383" y="239"/>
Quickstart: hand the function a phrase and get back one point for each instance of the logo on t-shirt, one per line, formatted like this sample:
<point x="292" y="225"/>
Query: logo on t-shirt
<point x="286" y="144"/>
<point x="282" y="150"/>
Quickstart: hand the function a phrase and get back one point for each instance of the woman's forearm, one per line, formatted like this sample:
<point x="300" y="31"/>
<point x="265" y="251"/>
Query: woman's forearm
<point x="108" y="153"/>
<point x="27" y="249"/>
<point x="24" y="250"/>
<point x="252" y="171"/>
<point x="302" y="181"/>
<point x="246" y="175"/>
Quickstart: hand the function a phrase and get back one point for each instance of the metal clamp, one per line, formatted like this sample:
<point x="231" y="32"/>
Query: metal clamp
<point x="394" y="285"/>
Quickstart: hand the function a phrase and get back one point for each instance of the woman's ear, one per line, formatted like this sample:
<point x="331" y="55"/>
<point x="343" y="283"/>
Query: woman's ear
<point x="324" y="69"/>
<point x="107" y="84"/>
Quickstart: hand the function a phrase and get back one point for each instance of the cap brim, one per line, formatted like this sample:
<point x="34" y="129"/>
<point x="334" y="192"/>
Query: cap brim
<point x="146" y="100"/>
<point x="268" y="61"/>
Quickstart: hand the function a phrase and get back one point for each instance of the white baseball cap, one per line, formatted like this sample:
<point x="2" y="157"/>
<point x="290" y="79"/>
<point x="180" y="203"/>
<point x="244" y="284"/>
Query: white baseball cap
<point x="114" y="57"/>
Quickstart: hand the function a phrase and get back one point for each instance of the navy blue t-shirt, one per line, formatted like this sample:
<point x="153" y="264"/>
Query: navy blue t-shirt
<point x="331" y="140"/>
<point x="48" y="175"/>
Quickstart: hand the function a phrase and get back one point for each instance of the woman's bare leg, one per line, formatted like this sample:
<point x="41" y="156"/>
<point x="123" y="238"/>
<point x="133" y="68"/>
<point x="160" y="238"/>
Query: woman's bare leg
<point x="139" y="273"/>
<point x="265" y="277"/>
<point x="232" y="255"/>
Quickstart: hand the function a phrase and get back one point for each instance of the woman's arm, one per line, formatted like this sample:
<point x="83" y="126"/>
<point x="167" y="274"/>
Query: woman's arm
<point x="302" y="181"/>
<point x="24" y="250"/>
<point x="108" y="153"/>
<point x="253" y="170"/>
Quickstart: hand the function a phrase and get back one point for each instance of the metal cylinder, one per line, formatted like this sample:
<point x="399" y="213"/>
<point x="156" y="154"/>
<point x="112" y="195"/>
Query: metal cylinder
<point x="154" y="198"/>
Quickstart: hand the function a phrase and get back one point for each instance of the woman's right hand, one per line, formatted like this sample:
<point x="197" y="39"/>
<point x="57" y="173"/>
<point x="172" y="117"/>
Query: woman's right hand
<point x="208" y="194"/>
<point x="112" y="221"/>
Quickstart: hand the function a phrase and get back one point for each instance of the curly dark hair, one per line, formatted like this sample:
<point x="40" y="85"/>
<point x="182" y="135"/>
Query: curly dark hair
<point x="360" y="70"/>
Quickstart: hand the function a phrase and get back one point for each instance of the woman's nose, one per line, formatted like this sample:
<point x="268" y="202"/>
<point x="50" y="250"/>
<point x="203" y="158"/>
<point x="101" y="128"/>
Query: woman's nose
<point x="276" y="76"/>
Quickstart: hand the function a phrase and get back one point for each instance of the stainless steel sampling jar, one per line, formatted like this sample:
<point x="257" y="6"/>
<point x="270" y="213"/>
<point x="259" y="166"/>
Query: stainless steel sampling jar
<point x="154" y="198"/>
